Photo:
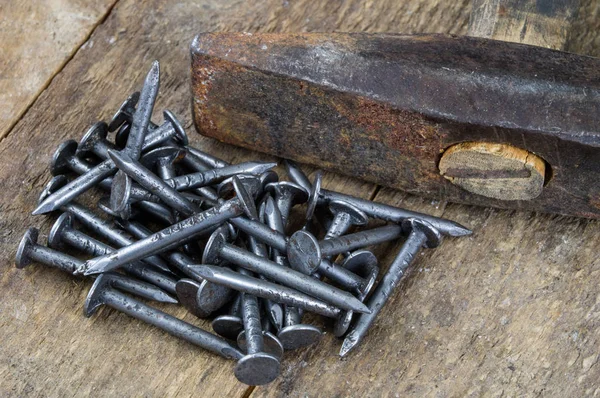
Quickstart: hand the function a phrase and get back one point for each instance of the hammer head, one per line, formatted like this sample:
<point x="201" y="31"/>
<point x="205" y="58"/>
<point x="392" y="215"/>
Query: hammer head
<point x="392" y="108"/>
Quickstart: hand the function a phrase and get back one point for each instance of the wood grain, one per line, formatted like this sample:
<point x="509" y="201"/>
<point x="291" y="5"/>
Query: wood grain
<point x="544" y="23"/>
<point x="36" y="39"/>
<point x="512" y="310"/>
<point x="497" y="171"/>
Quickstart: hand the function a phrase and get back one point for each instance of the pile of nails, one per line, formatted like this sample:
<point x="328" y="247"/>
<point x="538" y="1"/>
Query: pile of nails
<point x="186" y="227"/>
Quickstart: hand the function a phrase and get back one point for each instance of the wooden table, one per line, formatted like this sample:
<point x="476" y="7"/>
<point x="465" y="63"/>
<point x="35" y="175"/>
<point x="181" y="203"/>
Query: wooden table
<point x="512" y="310"/>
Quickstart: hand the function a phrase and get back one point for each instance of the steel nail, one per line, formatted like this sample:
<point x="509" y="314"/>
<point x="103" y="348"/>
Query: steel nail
<point x="94" y="142"/>
<point x="293" y="334"/>
<point x="143" y="112"/>
<point x="210" y="160"/>
<point x="274" y="310"/>
<point x="163" y="159"/>
<point x="422" y="234"/>
<point x="193" y="163"/>
<point x="65" y="160"/>
<point x="305" y="252"/>
<point x="313" y="199"/>
<point x="156" y="211"/>
<point x="265" y="289"/>
<point x="167" y="237"/>
<point x="230" y="324"/>
<point x="213" y="176"/>
<point x="217" y="249"/>
<point x="374" y="209"/>
<point x="152" y="183"/>
<point x="125" y="112"/>
<point x="30" y="251"/>
<point x="345" y="216"/>
<point x="258" y="366"/>
<point x="272" y="345"/>
<point x="102" y="293"/>
<point x="297" y="175"/>
<point x="106" y="168"/>
<point x="286" y="195"/>
<point x="120" y="191"/>
<point x="91" y="246"/>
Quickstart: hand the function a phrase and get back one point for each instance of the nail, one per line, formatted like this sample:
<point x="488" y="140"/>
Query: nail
<point x="191" y="162"/>
<point x="395" y="214"/>
<point x="230" y="325"/>
<point x="64" y="160"/>
<point x="94" y="247"/>
<point x="293" y="334"/>
<point x="297" y="175"/>
<point x="163" y="159"/>
<point x="364" y="264"/>
<point x="199" y="296"/>
<point x="305" y="252"/>
<point x="95" y="223"/>
<point x="102" y="293"/>
<point x="257" y="367"/>
<point x="152" y="183"/>
<point x="125" y="112"/>
<point x="271" y="344"/>
<point x="313" y="199"/>
<point x="120" y="191"/>
<point x="105" y="169"/>
<point x="213" y="176"/>
<point x="345" y="217"/>
<point x="422" y="234"/>
<point x="143" y="112"/>
<point x="94" y="142"/>
<point x="265" y="289"/>
<point x="274" y="310"/>
<point x="210" y="160"/>
<point x="161" y="240"/>
<point x="287" y="194"/>
<point x="217" y="249"/>
<point x="156" y="211"/>
<point x="29" y="251"/>
<point x="375" y="209"/>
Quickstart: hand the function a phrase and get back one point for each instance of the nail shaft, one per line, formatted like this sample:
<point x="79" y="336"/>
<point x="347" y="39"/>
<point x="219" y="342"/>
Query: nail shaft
<point x="418" y="238"/>
<point x="161" y="240"/>
<point x="291" y="278"/>
<point x="265" y="289"/>
<point x="161" y="320"/>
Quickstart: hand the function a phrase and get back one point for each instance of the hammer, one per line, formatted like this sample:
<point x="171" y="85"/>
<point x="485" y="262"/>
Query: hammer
<point x="478" y="120"/>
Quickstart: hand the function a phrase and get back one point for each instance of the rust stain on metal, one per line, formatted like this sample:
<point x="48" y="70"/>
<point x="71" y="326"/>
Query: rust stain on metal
<point x="383" y="107"/>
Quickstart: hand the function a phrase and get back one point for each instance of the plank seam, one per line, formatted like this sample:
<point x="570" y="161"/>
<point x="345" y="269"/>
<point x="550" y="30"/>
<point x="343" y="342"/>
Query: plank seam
<point x="62" y="66"/>
<point x="248" y="391"/>
<point x="375" y="192"/>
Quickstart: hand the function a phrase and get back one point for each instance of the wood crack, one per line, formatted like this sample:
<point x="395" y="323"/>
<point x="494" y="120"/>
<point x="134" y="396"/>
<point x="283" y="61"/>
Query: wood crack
<point x="62" y="66"/>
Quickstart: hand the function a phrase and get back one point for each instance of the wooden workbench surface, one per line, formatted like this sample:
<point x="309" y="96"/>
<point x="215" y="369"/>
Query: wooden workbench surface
<point x="513" y="310"/>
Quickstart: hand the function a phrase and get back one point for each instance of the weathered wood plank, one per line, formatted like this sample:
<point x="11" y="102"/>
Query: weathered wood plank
<point x="544" y="23"/>
<point x="36" y="39"/>
<point x="510" y="311"/>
